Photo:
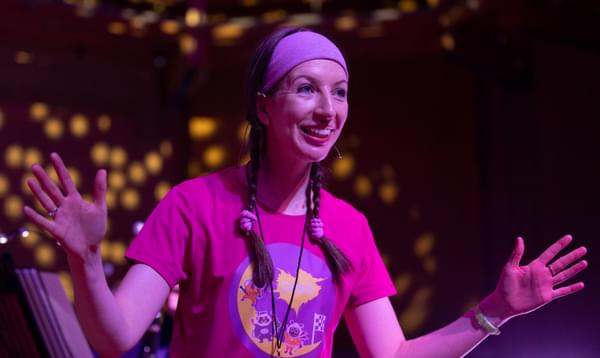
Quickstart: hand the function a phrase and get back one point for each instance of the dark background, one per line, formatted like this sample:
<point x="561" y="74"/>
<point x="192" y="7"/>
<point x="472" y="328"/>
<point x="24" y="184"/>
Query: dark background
<point x="470" y="123"/>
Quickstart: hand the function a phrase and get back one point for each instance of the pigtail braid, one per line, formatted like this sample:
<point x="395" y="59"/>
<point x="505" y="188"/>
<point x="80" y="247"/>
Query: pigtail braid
<point x="337" y="260"/>
<point x="263" y="272"/>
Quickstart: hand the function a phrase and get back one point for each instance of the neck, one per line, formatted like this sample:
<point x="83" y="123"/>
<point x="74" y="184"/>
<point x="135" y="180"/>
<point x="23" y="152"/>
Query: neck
<point x="282" y="184"/>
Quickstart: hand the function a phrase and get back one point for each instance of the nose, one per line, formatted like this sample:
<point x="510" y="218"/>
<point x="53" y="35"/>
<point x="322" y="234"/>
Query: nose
<point x="325" y="108"/>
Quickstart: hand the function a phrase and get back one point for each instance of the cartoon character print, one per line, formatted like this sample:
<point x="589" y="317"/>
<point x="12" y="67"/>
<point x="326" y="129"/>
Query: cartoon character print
<point x="251" y="292"/>
<point x="263" y="326"/>
<point x="293" y="337"/>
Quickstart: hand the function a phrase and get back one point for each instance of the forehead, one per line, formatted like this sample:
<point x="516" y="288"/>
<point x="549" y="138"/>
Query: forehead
<point x="319" y="70"/>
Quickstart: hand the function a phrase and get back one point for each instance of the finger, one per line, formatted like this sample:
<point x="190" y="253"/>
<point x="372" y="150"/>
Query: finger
<point x="48" y="185"/>
<point x="63" y="173"/>
<point x="41" y="221"/>
<point x="567" y="290"/>
<point x="554" y="249"/>
<point x="568" y="259"/>
<point x="40" y="195"/>
<point x="570" y="272"/>
<point x="517" y="254"/>
<point x="100" y="188"/>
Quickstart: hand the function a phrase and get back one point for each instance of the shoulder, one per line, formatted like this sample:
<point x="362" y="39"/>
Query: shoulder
<point x="340" y="208"/>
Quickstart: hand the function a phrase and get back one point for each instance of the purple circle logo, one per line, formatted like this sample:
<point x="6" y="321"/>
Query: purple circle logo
<point x="310" y="310"/>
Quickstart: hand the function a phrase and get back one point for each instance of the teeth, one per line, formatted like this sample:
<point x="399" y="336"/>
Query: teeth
<point x="318" y="132"/>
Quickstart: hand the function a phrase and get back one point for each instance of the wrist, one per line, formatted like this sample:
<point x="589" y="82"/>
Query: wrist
<point x="495" y="309"/>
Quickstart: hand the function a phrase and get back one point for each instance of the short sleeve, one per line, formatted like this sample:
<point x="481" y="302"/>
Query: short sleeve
<point x="163" y="240"/>
<point x="373" y="280"/>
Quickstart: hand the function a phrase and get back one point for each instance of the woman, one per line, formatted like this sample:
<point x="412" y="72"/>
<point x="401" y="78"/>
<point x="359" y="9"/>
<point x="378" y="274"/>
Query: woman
<point x="267" y="261"/>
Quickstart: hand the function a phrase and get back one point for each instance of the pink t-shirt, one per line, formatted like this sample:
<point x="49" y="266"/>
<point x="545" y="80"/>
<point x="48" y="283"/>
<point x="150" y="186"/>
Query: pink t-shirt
<point x="192" y="238"/>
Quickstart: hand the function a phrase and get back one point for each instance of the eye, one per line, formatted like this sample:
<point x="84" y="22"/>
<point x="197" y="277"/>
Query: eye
<point x="340" y="93"/>
<point x="306" y="89"/>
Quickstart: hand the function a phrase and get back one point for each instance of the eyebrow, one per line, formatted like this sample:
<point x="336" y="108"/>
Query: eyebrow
<point x="313" y="79"/>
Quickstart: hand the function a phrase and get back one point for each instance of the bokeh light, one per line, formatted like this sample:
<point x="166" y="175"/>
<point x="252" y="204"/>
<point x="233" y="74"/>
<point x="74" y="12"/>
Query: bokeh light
<point x="67" y="284"/>
<point x="117" y="28"/>
<point x="45" y="255"/>
<point x="116" y="180"/>
<point x="214" y="156"/>
<point x="346" y="23"/>
<point x="342" y="168"/>
<point x="402" y="283"/>
<point x="13" y="156"/>
<point x="23" y="57"/>
<point x="38" y="111"/>
<point x="408" y="6"/>
<point x="117" y="253"/>
<point x="166" y="149"/>
<point x="75" y="175"/>
<point x="1" y="119"/>
<point x="130" y="199"/>
<point x="54" y="128"/>
<point x="202" y="128"/>
<point x="362" y="186"/>
<point x="169" y="27"/>
<point x="136" y="173"/>
<point x="4" y="185"/>
<point x="388" y="192"/>
<point x="187" y="44"/>
<point x="31" y="156"/>
<point x="153" y="162"/>
<point x="161" y="189"/>
<point x="13" y="207"/>
<point x="100" y="153"/>
<point x="194" y="17"/>
<point x="111" y="199"/>
<point x="118" y="157"/>
<point x="104" y="123"/>
<point x="424" y="244"/>
<point x="79" y="125"/>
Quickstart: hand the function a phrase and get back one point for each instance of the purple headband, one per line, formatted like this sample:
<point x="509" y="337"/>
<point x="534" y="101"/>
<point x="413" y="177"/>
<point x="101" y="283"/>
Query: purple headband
<point x="296" y="48"/>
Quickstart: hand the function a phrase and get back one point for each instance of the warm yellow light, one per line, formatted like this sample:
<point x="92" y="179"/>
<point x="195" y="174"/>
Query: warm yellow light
<point x="153" y="162"/>
<point x="187" y="44"/>
<point x="402" y="283"/>
<point x="31" y="156"/>
<point x="117" y="28"/>
<point x="346" y="23"/>
<point x="100" y="153"/>
<point x="161" y="189"/>
<point x="169" y="27"/>
<point x="30" y="240"/>
<point x="137" y="173"/>
<point x="342" y="168"/>
<point x="4" y="185"/>
<point x="116" y="180"/>
<point x="117" y="253"/>
<point x="24" y="187"/>
<point x="75" y="175"/>
<point x="447" y="41"/>
<point x="45" y="255"/>
<point x="104" y="123"/>
<point x="473" y="4"/>
<point x="13" y="156"/>
<point x="385" y="15"/>
<point x="433" y="3"/>
<point x="54" y="128"/>
<point x="1" y="119"/>
<point x="130" y="199"/>
<point x="105" y="249"/>
<point x="424" y="244"/>
<point x="79" y="125"/>
<point x="271" y="17"/>
<point x="23" y="57"/>
<point x="407" y="6"/>
<point x="430" y="264"/>
<point x="362" y="186"/>
<point x="413" y="318"/>
<point x="388" y="192"/>
<point x="111" y="199"/>
<point x="194" y="169"/>
<point x="214" y="156"/>
<point x="306" y="19"/>
<point x="249" y="2"/>
<point x="166" y="149"/>
<point x="201" y="128"/>
<point x="118" y="157"/>
<point x="194" y="17"/>
<point x="227" y="31"/>
<point x="370" y="31"/>
<point x="51" y="173"/>
<point x="67" y="284"/>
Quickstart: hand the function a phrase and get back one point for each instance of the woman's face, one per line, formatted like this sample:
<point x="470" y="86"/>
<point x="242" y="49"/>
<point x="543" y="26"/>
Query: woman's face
<point x="307" y="111"/>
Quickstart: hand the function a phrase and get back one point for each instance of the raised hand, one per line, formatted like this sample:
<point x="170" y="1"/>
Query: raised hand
<point x="75" y="223"/>
<point x="522" y="289"/>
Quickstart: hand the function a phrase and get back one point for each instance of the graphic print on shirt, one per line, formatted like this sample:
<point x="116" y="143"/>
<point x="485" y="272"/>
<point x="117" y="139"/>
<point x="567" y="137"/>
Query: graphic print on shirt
<point x="311" y="308"/>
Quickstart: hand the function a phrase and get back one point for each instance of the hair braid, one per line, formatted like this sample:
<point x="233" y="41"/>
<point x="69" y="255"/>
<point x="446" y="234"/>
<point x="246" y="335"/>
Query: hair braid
<point x="262" y="272"/>
<point x="337" y="260"/>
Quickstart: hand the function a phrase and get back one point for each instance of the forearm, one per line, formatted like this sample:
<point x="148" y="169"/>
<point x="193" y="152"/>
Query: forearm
<point x="100" y="316"/>
<point x="457" y="338"/>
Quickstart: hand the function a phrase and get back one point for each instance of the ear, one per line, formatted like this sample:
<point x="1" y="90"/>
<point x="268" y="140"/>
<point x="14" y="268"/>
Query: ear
<point x="261" y="110"/>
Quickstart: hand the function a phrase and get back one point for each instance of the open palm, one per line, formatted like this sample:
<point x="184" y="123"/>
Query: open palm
<point x="75" y="223"/>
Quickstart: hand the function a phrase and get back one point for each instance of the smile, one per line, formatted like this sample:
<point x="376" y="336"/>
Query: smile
<point x="317" y="132"/>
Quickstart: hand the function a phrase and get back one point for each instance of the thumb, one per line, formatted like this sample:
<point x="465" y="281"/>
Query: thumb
<point x="100" y="188"/>
<point x="517" y="254"/>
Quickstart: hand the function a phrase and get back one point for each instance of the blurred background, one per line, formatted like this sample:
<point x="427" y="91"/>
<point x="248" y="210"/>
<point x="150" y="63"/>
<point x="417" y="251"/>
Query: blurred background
<point x="471" y="122"/>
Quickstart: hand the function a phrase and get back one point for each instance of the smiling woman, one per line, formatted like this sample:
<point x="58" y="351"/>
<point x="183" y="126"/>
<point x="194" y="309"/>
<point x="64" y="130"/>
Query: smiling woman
<point x="267" y="261"/>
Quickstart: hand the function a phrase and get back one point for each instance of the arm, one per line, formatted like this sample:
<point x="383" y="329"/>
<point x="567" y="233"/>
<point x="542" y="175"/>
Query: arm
<point x="113" y="323"/>
<point x="521" y="289"/>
